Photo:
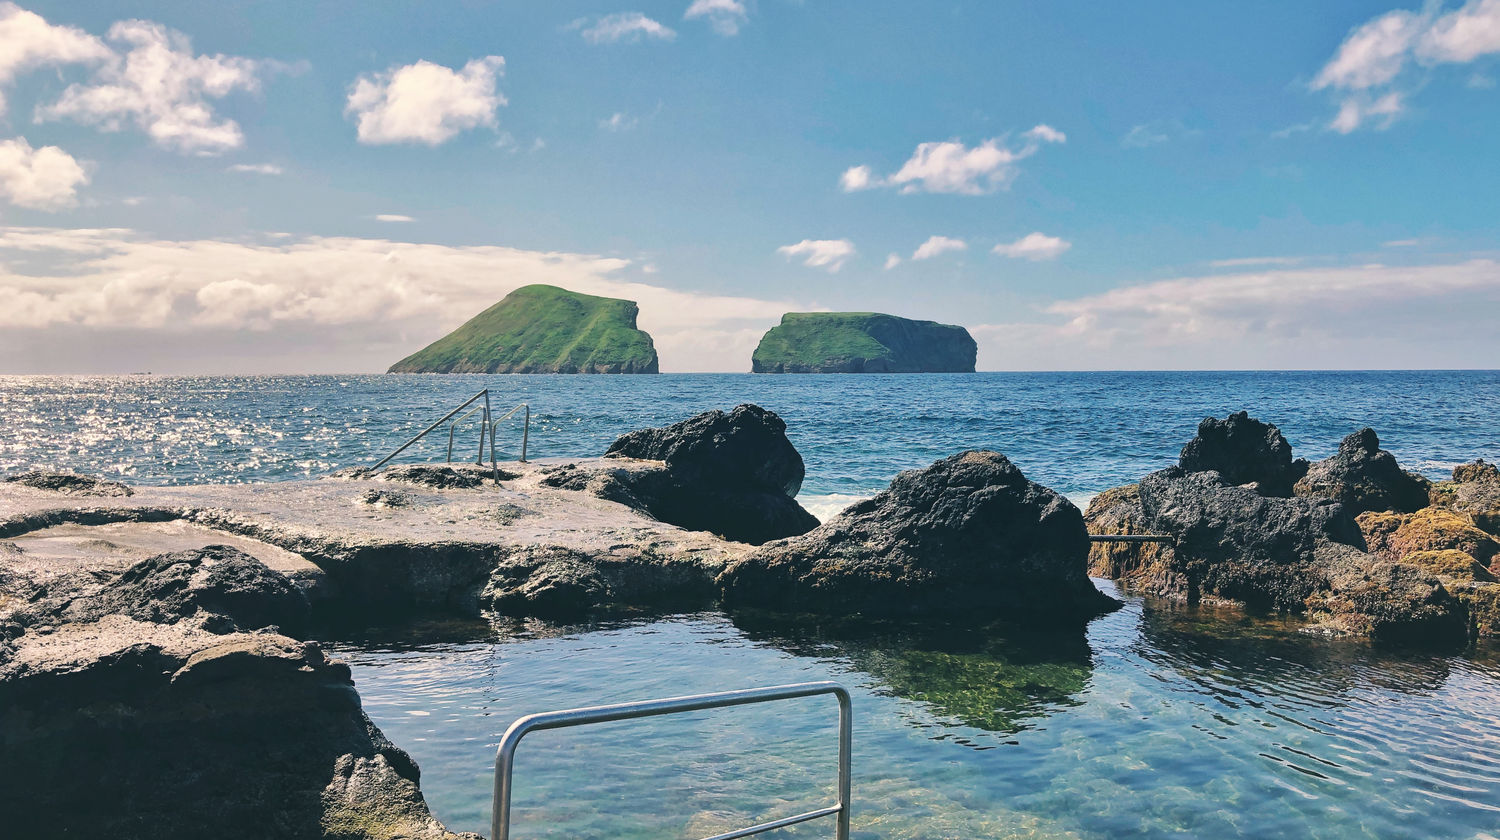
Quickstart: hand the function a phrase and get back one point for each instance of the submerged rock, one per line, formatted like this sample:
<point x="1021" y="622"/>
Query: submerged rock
<point x="733" y="474"/>
<point x="1364" y="477"/>
<point x="70" y="484"/>
<point x="1244" y="450"/>
<point x="967" y="535"/>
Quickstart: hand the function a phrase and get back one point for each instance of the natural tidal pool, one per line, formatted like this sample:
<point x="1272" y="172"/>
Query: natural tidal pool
<point x="1154" y="721"/>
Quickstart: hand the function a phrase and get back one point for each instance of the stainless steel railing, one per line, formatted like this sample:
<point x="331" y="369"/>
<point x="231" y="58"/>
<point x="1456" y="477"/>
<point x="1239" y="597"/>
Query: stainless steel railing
<point x="505" y="755"/>
<point x="487" y="426"/>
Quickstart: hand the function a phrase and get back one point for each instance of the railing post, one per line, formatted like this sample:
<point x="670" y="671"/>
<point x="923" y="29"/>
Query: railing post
<point x="846" y="760"/>
<point x="526" y="433"/>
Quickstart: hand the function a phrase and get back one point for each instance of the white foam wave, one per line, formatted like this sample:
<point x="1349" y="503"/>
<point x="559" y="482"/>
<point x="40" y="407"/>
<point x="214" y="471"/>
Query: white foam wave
<point x="829" y="505"/>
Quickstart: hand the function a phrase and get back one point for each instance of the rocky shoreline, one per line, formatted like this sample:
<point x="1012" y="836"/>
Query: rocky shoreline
<point x="157" y="678"/>
<point x="1353" y="543"/>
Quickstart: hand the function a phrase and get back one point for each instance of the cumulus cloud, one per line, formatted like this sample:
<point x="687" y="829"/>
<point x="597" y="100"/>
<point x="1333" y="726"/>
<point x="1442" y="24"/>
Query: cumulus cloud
<point x="256" y="168"/>
<point x="116" y="300"/>
<point x="162" y="88"/>
<point x="1369" y="316"/>
<point x="829" y="254"/>
<point x="28" y="41"/>
<point x="951" y="167"/>
<point x="856" y="178"/>
<point x="938" y="245"/>
<point x="41" y="179"/>
<point x="1369" y="72"/>
<point x="725" y="16"/>
<point x="426" y="102"/>
<point x="1035" y="247"/>
<point x="622" y="26"/>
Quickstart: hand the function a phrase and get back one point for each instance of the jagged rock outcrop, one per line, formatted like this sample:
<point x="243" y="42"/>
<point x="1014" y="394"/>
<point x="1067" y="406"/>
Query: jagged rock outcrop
<point x="969" y="535"/>
<point x="733" y="474"/>
<point x="1243" y="450"/>
<point x="862" y="342"/>
<point x="1296" y="556"/>
<point x="1364" y="477"/>
<point x="1395" y="535"/>
<point x="1474" y="492"/>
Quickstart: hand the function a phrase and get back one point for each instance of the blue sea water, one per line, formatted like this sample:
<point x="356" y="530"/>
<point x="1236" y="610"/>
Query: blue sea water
<point x="1153" y="721"/>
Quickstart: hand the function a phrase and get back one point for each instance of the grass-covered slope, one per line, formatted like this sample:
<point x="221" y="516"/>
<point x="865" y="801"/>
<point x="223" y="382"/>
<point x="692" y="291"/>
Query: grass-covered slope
<point x="542" y="329"/>
<point x="862" y="342"/>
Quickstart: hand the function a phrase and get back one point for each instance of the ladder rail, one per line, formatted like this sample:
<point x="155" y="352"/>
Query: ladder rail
<point x="505" y="754"/>
<point x="488" y="425"/>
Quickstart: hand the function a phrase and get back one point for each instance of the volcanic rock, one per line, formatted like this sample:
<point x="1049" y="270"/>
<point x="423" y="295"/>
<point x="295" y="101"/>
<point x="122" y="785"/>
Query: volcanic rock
<point x="1244" y="450"/>
<point x="967" y="535"/>
<point x="1364" y="477"/>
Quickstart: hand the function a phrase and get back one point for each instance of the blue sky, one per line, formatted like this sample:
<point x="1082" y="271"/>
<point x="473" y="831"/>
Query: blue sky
<point x="262" y="187"/>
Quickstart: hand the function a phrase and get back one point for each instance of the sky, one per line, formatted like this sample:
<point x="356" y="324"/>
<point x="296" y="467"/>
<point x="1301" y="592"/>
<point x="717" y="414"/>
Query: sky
<point x="292" y="187"/>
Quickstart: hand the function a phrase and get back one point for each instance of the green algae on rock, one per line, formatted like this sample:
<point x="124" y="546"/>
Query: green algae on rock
<point x="863" y="342"/>
<point x="542" y="329"/>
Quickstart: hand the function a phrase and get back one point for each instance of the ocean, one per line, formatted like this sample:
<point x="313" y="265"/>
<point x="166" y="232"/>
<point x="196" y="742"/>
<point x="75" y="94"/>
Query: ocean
<point x="1154" y="721"/>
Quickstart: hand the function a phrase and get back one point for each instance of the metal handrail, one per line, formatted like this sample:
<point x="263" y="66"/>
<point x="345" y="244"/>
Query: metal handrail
<point x="483" y="429"/>
<point x="506" y="753"/>
<point x="525" y="429"/>
<point x="486" y="426"/>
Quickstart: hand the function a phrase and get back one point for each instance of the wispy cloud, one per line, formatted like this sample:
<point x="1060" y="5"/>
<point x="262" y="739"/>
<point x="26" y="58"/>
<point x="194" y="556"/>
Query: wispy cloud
<point x="158" y="84"/>
<point x="891" y="261"/>
<point x="630" y="27"/>
<point x="827" y="254"/>
<point x="1036" y="247"/>
<point x="725" y="16"/>
<point x="1369" y="72"/>
<point x="256" y="168"/>
<point x="1242" y="262"/>
<point x="426" y="103"/>
<point x="29" y="42"/>
<point x="618" y="121"/>
<point x="936" y="245"/>
<point x="951" y="167"/>
<point x="393" y="217"/>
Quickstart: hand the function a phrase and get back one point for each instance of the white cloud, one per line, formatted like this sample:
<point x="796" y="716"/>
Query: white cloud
<point x="1401" y="243"/>
<point x="1035" y="247"/>
<point x="41" y="179"/>
<point x="830" y="254"/>
<point x="117" y="300"/>
<point x="891" y="261"/>
<point x="1463" y="34"/>
<point x="856" y="178"/>
<point x="161" y="87"/>
<point x="393" y="217"/>
<point x="618" y="121"/>
<point x="952" y="167"/>
<point x="426" y="102"/>
<point x="938" y="245"/>
<point x="1368" y="69"/>
<point x="256" y="168"/>
<point x="28" y="41"/>
<point x="623" y="26"/>
<point x="1357" y="316"/>
<point x="725" y="16"/>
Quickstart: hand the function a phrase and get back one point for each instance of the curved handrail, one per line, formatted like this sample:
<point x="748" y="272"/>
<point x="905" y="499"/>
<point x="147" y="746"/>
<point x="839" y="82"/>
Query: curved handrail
<point x="488" y="425"/>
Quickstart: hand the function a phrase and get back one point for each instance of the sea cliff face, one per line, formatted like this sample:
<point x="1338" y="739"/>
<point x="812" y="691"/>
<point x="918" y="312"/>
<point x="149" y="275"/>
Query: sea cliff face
<point x="542" y="329"/>
<point x="863" y="342"/>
